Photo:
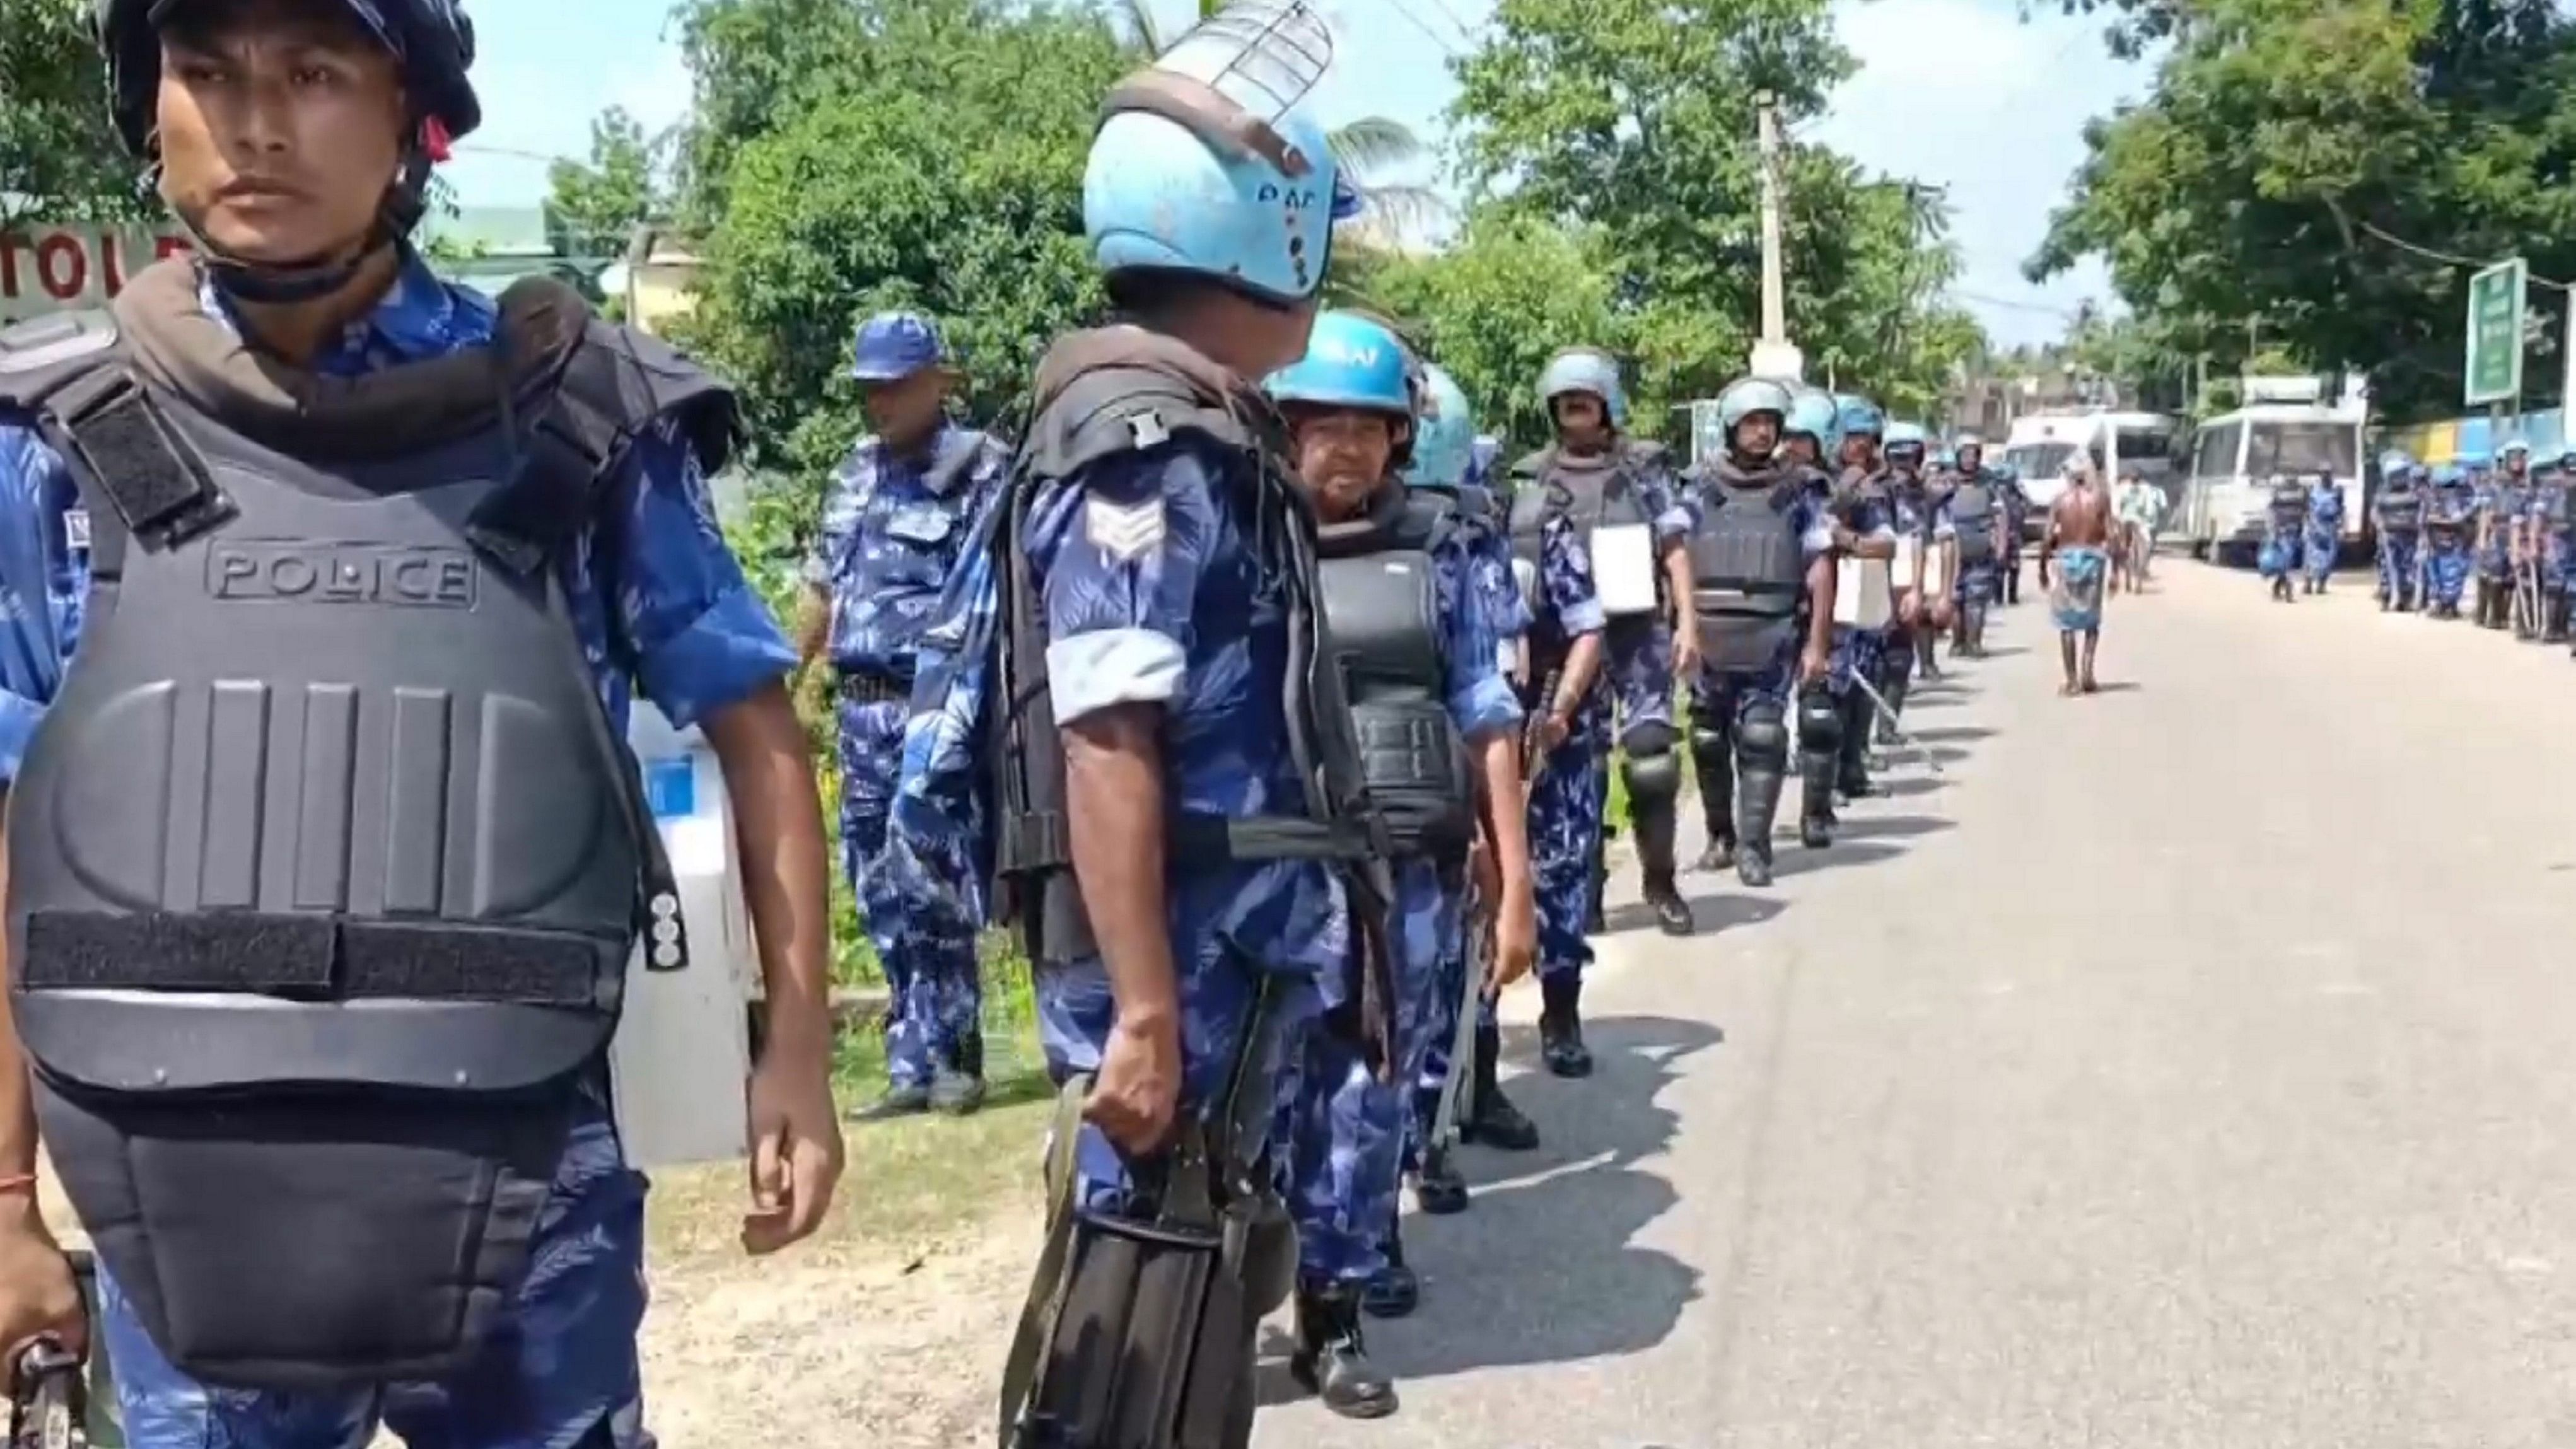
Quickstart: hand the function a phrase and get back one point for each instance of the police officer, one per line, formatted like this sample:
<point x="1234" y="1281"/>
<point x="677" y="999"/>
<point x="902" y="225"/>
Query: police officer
<point x="2286" y="535"/>
<point x="2450" y="523"/>
<point x="2499" y="505"/>
<point x="1922" y="525"/>
<point x="1443" y="462"/>
<point x="1985" y="529"/>
<point x="894" y="523"/>
<point x="301" y="1160"/>
<point x="2006" y="481"/>
<point x="1622" y="497"/>
<point x="1762" y="593"/>
<point x="1863" y="506"/>
<point x="2324" y="536"/>
<point x="2553" y="526"/>
<point x="1438" y="730"/>
<point x="2398" y="518"/>
<point x="1196" y="899"/>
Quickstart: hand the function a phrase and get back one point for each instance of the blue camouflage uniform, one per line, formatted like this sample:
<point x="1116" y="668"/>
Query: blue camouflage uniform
<point x="2450" y="524"/>
<point x="1567" y="796"/>
<point x="1919" y="514"/>
<point x="1347" y="1132"/>
<point x="2325" y="531"/>
<point x="893" y="528"/>
<point x="2553" y="536"/>
<point x="2400" y="544"/>
<point x="1858" y="651"/>
<point x="685" y="627"/>
<point x="2499" y="502"/>
<point x="2016" y="505"/>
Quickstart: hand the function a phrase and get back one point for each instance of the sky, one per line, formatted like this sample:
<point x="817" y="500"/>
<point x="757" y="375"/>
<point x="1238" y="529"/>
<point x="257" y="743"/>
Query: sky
<point x="1963" y="94"/>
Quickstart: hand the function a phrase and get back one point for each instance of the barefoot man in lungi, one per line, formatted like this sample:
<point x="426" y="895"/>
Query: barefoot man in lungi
<point x="2078" y="556"/>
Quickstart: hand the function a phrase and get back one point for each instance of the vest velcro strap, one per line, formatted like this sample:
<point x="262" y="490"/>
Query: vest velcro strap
<point x="308" y="957"/>
<point x="159" y="487"/>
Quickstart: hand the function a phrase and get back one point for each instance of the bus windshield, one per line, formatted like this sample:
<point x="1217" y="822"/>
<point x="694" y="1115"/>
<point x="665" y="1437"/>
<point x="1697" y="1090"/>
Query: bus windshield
<point x="2303" y="448"/>
<point x="2039" y="460"/>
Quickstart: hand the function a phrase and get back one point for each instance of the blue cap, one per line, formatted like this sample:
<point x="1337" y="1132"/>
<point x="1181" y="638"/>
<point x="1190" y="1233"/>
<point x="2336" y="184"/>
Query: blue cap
<point x="894" y="345"/>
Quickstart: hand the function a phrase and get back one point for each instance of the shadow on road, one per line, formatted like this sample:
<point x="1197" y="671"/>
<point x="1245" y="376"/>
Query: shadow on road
<point x="2114" y="686"/>
<point x="1891" y="827"/>
<point x="1949" y="734"/>
<point x="1910" y="786"/>
<point x="1540" y="1269"/>
<point x="1711" y="912"/>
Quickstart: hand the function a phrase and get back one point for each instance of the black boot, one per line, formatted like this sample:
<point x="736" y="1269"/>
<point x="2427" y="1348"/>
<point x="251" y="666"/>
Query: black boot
<point x="1757" y="810"/>
<point x="1816" y="803"/>
<point x="1397" y="1289"/>
<point x="1496" y="1122"/>
<point x="1560" y="1027"/>
<point x="1716" y="771"/>
<point x="1853" y="773"/>
<point x="900" y="1100"/>
<point x="1896" y="689"/>
<point x="1656" y="828"/>
<point x="1331" y="1362"/>
<point x="958" y="1087"/>
<point x="2553" y="629"/>
<point x="1595" y="923"/>
<point x="1439" y="1188"/>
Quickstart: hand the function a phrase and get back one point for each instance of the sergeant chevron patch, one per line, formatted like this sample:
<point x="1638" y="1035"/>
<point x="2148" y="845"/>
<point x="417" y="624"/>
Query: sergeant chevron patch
<point x="1123" y="531"/>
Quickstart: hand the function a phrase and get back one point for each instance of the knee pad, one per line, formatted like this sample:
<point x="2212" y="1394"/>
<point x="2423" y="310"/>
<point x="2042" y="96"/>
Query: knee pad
<point x="1654" y="779"/>
<point x="1820" y="722"/>
<point x="1649" y="737"/>
<point x="1705" y="742"/>
<point x="1762" y="741"/>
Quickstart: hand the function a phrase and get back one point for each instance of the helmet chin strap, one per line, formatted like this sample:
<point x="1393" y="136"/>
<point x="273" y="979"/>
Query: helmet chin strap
<point x="285" y="283"/>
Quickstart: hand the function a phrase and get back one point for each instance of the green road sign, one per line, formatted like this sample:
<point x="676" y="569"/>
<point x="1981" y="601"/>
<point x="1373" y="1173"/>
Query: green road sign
<point x="2495" y="334"/>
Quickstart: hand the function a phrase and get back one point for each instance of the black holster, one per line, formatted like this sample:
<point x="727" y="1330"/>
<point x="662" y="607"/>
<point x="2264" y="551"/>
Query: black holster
<point x="1140" y="1327"/>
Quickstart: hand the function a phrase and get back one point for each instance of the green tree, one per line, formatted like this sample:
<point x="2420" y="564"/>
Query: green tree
<point x="1637" y="118"/>
<point x="60" y="158"/>
<point x="2318" y="176"/>
<point x="593" y="208"/>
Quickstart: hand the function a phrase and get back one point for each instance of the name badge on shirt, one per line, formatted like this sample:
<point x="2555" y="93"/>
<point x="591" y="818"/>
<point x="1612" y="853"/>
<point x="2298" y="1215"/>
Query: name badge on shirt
<point x="76" y="529"/>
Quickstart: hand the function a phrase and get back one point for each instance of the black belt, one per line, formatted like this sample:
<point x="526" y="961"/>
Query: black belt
<point x="871" y="686"/>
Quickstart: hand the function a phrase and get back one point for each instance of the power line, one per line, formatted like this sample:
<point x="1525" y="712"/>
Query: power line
<point x="1428" y="33"/>
<point x="2452" y="258"/>
<point x="1466" y="32"/>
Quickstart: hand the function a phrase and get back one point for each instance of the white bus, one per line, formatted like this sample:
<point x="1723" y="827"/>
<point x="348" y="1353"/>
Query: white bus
<point x="2042" y="444"/>
<point x="2235" y="456"/>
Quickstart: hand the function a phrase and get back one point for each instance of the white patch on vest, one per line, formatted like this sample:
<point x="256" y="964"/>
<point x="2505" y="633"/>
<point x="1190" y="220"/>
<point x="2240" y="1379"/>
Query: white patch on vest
<point x="76" y="529"/>
<point x="1148" y="430"/>
<point x="1124" y="532"/>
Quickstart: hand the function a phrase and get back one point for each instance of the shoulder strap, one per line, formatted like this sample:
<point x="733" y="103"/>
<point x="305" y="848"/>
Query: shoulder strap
<point x="1122" y="408"/>
<point x="958" y="451"/>
<point x="72" y="376"/>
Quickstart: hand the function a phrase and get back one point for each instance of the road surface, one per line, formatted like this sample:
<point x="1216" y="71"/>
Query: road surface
<point x="2191" y="1068"/>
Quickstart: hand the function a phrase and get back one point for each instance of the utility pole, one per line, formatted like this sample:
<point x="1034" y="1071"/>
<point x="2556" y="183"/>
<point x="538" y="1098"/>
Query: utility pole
<point x="1773" y="354"/>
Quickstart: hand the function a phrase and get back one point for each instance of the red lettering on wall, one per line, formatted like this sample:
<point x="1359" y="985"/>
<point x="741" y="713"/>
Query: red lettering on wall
<point x="62" y="267"/>
<point x="170" y="246"/>
<point x="10" y="241"/>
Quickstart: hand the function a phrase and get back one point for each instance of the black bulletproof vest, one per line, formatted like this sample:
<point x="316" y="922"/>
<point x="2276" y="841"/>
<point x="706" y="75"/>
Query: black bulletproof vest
<point x="1596" y="489"/>
<point x="2290" y="504"/>
<point x="1748" y="570"/>
<point x="2558" y="510"/>
<point x="1972" y="514"/>
<point x="1115" y="392"/>
<point x="326" y="837"/>
<point x="1382" y="605"/>
<point x="2401" y="509"/>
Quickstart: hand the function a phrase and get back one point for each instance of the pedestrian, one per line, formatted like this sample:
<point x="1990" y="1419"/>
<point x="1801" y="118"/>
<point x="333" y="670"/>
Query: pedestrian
<point x="373" y="1175"/>
<point x="2323" y="537"/>
<point x="1620" y="492"/>
<point x="1762" y="582"/>
<point x="2285" y="533"/>
<point x="2078" y="553"/>
<point x="895" y="523"/>
<point x="2140" y="507"/>
<point x="1177" y="772"/>
<point x="1438" y="730"/>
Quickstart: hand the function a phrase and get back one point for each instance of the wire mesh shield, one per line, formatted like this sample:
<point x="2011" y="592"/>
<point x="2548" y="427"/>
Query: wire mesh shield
<point x="1264" y="55"/>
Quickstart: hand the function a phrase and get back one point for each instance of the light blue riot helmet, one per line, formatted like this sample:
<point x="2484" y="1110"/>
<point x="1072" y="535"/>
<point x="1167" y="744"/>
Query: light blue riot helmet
<point x="1813" y="413"/>
<point x="1584" y="369"/>
<point x="2395" y="464"/>
<point x="2448" y="475"/>
<point x="1902" y="436"/>
<point x="1749" y="395"/>
<point x="1858" y="417"/>
<point x="1964" y="442"/>
<point x="1350" y="362"/>
<point x="1202" y="168"/>
<point x="1444" y="433"/>
<point x="1945" y="460"/>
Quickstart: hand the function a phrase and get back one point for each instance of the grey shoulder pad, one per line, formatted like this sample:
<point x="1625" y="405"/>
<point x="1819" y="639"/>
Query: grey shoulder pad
<point x="41" y="354"/>
<point x="624" y="381"/>
<point x="1532" y="465"/>
<point x="1112" y="410"/>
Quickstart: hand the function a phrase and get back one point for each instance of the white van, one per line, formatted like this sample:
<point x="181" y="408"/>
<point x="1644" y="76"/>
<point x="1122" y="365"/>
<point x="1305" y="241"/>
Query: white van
<point x="2226" y="502"/>
<point x="2042" y="444"/>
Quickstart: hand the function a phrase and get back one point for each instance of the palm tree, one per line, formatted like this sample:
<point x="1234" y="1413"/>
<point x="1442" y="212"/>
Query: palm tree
<point x="1370" y="146"/>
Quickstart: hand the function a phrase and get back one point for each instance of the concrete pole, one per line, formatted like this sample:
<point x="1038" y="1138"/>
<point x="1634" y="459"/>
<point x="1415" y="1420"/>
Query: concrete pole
<point x="1775" y="310"/>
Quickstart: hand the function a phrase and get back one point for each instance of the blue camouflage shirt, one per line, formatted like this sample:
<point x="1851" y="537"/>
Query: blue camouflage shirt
<point x="893" y="529"/>
<point x="1150" y="593"/>
<point x="685" y="626"/>
<point x="1480" y="697"/>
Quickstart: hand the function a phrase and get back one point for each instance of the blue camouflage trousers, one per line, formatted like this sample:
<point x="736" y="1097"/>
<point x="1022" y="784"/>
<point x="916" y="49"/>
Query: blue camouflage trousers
<point x="2321" y="550"/>
<point x="1565" y="810"/>
<point x="2398" y="556"/>
<point x="559" y="1373"/>
<point x="1347" y="1133"/>
<point x="1639" y="671"/>
<point x="1856" y="651"/>
<point x="1976" y="583"/>
<point x="936" y="997"/>
<point x="2446" y="571"/>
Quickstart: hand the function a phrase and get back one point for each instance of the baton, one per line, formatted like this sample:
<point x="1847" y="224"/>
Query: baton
<point x="1457" y="1093"/>
<point x="48" y="1401"/>
<point x="1895" y="731"/>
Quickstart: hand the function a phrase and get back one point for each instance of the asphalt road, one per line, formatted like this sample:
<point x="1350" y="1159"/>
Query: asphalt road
<point x="2188" y="1068"/>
